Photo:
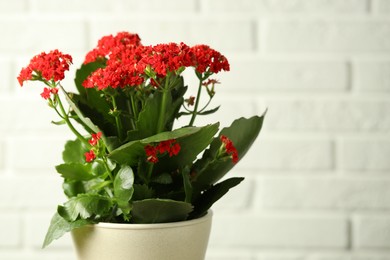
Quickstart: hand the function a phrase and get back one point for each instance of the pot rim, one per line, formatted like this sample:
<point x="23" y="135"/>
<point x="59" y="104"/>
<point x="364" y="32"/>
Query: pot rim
<point x="191" y="222"/>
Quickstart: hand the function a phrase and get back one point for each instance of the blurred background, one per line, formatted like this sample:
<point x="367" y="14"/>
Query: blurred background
<point x="318" y="177"/>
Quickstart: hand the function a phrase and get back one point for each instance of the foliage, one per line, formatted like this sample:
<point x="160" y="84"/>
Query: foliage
<point x="131" y="165"/>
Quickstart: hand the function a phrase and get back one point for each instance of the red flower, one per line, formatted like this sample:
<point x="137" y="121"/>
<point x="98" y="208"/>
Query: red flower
<point x="54" y="91"/>
<point x="206" y="59"/>
<point x="25" y="74"/>
<point x="164" y="58"/>
<point x="169" y="146"/>
<point x="95" y="138"/>
<point x="121" y="71"/>
<point x="210" y="81"/>
<point x="46" y="93"/>
<point x="151" y="153"/>
<point x="230" y="149"/>
<point x="90" y="156"/>
<point x="174" y="149"/>
<point x="110" y="44"/>
<point x="49" y="66"/>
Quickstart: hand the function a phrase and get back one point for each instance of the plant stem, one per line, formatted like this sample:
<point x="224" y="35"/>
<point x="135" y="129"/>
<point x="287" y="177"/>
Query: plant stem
<point x="108" y="169"/>
<point x="72" y="128"/>
<point x="195" y="112"/>
<point x="161" y="118"/>
<point x="117" y="119"/>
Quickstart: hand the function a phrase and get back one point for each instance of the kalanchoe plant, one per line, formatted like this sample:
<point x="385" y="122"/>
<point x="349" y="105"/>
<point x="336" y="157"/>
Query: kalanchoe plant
<point x="129" y="164"/>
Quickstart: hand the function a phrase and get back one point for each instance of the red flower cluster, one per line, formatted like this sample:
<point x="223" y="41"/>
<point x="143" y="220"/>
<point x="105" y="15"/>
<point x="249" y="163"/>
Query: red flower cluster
<point x="163" y="58"/>
<point x="207" y="59"/>
<point x="48" y="91"/>
<point x="230" y="149"/>
<point x="109" y="44"/>
<point x="169" y="146"/>
<point x="49" y="66"/>
<point x="91" y="155"/>
<point x="95" y="139"/>
<point x="127" y="61"/>
<point x="123" y="69"/>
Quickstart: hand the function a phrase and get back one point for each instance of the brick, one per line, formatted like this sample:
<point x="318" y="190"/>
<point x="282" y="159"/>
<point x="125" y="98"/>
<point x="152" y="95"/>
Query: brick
<point x="220" y="35"/>
<point x="52" y="34"/>
<point x="278" y="153"/>
<point x="253" y="230"/>
<point x="365" y="154"/>
<point x="228" y="6"/>
<point x="372" y="76"/>
<point x="169" y="6"/>
<point x="31" y="192"/>
<point x="36" y="226"/>
<point x="285" y="75"/>
<point x="5" y="75"/>
<point x="316" y="6"/>
<point x="381" y="6"/>
<point x="11" y="229"/>
<point x="281" y="6"/>
<point x="37" y="255"/>
<point x="238" y="198"/>
<point x="328" y="36"/>
<point x="350" y="256"/>
<point x="372" y="232"/>
<point x="41" y="153"/>
<point x="27" y="114"/>
<point x="8" y="7"/>
<point x="231" y="108"/>
<point x="2" y="155"/>
<point x="213" y="254"/>
<point x="73" y="6"/>
<point x="330" y="114"/>
<point x="324" y="193"/>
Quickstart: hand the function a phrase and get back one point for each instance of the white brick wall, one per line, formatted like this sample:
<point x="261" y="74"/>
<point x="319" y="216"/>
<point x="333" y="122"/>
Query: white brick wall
<point x="317" y="180"/>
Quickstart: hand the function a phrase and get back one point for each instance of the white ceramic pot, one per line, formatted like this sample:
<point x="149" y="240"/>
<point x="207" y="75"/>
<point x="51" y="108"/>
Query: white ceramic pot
<point x="185" y="240"/>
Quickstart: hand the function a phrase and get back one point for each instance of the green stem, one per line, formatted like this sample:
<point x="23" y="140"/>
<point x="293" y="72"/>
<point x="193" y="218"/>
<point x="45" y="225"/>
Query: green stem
<point x="195" y="112"/>
<point x="117" y="119"/>
<point x="131" y="113"/>
<point x="134" y="108"/>
<point x="72" y="128"/>
<point x="161" y="118"/>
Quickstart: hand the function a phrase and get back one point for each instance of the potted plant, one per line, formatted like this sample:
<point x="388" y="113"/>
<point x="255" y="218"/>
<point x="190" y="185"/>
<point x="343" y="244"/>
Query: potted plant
<point x="129" y="167"/>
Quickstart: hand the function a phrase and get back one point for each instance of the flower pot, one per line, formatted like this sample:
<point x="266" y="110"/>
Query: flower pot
<point x="185" y="240"/>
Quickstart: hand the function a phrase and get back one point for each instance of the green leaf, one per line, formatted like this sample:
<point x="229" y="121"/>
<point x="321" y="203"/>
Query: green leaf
<point x="76" y="171"/>
<point x="160" y="211"/>
<point x="131" y="152"/>
<point x="61" y="122"/>
<point x="148" y="117"/>
<point x="59" y="226"/>
<point x="142" y="191"/>
<point x="191" y="146"/>
<point x="208" y="197"/>
<point x="72" y="188"/>
<point x="74" y="152"/>
<point x="87" y="206"/>
<point x="187" y="183"/>
<point x="123" y="188"/>
<point x="243" y="132"/>
<point x="208" y="112"/>
<point x="128" y="153"/>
